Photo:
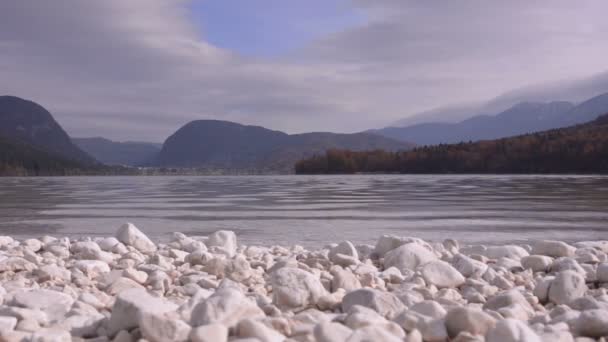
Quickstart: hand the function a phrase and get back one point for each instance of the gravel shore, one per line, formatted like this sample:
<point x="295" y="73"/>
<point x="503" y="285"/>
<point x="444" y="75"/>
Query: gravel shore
<point x="128" y="288"/>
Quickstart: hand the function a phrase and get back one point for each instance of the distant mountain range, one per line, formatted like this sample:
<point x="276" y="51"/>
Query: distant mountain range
<point x="228" y="145"/>
<point x="33" y="143"/>
<point x="522" y="118"/>
<point x="109" y="152"/>
<point x="581" y="149"/>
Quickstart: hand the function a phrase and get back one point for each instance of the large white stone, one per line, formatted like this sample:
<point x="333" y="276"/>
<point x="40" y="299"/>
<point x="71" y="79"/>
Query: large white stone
<point x="372" y="333"/>
<point x="441" y="274"/>
<point x="537" y="263"/>
<point x="294" y="288"/>
<point x="226" y="306"/>
<point x="7" y="323"/>
<point x="163" y="327"/>
<point x="429" y="308"/>
<point x="387" y="243"/>
<point x="467" y="266"/>
<point x="384" y="303"/>
<point x="407" y="257"/>
<point x="224" y="240"/>
<point x="92" y="268"/>
<point x="512" y="330"/>
<point x="592" y="323"/>
<point x="344" y="254"/>
<point x="602" y="273"/>
<point x="54" y="304"/>
<point x="331" y="332"/>
<point x="508" y="251"/>
<point x="131" y="236"/>
<point x="209" y="333"/>
<point x="469" y="320"/>
<point x="552" y="248"/>
<point x="566" y="287"/>
<point x="249" y="328"/>
<point x="130" y="305"/>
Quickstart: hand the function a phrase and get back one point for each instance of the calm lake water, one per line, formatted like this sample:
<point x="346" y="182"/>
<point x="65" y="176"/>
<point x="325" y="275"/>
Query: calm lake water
<point x="312" y="210"/>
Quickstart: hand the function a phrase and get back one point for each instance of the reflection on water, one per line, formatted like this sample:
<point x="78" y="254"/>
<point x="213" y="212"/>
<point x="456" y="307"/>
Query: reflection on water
<point x="312" y="210"/>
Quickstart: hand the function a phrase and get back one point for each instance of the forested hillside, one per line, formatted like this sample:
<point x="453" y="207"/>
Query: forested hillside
<point x="578" y="149"/>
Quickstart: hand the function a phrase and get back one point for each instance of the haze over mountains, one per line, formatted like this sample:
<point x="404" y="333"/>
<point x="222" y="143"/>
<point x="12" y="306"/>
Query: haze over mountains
<point x="119" y="153"/>
<point x="526" y="117"/>
<point x="28" y="131"/>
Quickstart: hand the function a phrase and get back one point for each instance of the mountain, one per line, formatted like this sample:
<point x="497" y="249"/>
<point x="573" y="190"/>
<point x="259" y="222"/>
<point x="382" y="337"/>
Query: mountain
<point x="218" y="144"/>
<point x="131" y="153"/>
<point x="21" y="159"/>
<point x="25" y="121"/>
<point x="572" y="90"/>
<point x="522" y="118"/>
<point x="580" y="149"/>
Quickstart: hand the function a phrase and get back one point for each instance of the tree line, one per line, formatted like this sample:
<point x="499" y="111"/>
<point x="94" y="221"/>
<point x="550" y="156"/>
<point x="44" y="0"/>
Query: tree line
<point x="577" y="149"/>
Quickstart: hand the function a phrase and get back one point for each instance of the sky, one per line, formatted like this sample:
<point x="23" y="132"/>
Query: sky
<point x="140" y="69"/>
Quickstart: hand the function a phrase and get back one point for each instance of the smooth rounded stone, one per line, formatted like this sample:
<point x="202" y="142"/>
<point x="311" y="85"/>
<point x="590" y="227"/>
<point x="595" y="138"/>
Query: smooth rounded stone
<point x="541" y="290"/>
<point x="237" y="268"/>
<point x="343" y="279"/>
<point x="6" y="241"/>
<point x="602" y="273"/>
<point x="223" y="240"/>
<point x="387" y="243"/>
<point x="249" y="328"/>
<point x="133" y="274"/>
<point x="331" y="332"/>
<point x="209" y="333"/>
<point x="537" y="263"/>
<point x="130" y="305"/>
<point x="512" y="330"/>
<point x="15" y="264"/>
<point x="552" y="248"/>
<point x="467" y="266"/>
<point x="33" y="245"/>
<point x="507" y="299"/>
<point x="163" y="327"/>
<point x="226" y="306"/>
<point x="122" y="284"/>
<point x="7" y="323"/>
<point x="344" y="254"/>
<point x="441" y="274"/>
<point x="108" y="243"/>
<point x="52" y="273"/>
<point x="566" y="287"/>
<point x="92" y="268"/>
<point x="408" y="257"/>
<point x="566" y="264"/>
<point x="372" y="333"/>
<point x="384" y="303"/>
<point x="294" y="288"/>
<point x="474" y="321"/>
<point x="130" y="235"/>
<point x="54" y="304"/>
<point x="592" y="323"/>
<point x="429" y="308"/>
<point x="508" y="251"/>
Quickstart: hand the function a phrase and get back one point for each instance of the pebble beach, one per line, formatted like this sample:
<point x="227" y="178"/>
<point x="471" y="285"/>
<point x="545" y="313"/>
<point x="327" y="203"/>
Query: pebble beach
<point x="210" y="288"/>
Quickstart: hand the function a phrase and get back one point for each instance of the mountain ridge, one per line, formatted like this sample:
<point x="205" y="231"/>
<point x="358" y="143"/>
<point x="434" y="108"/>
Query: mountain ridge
<point x="525" y="117"/>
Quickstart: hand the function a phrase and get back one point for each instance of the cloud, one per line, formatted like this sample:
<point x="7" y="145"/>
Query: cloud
<point x="139" y="69"/>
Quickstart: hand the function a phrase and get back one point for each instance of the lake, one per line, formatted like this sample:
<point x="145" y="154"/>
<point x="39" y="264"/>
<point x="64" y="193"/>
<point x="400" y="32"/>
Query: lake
<point x="312" y="210"/>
